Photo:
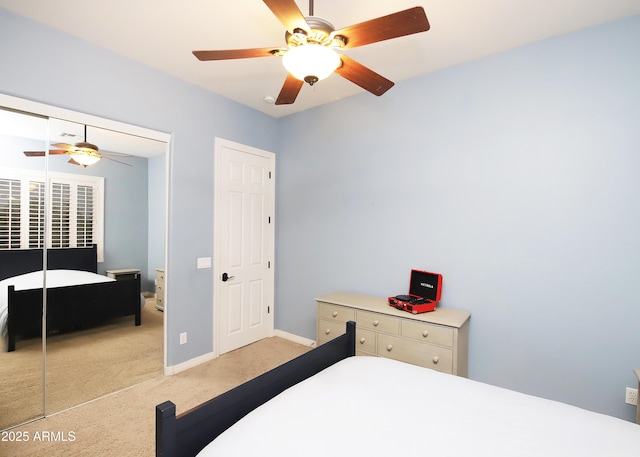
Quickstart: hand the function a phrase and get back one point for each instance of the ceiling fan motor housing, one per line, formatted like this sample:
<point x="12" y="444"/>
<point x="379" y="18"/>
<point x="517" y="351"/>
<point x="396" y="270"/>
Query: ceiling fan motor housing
<point x="86" y="147"/>
<point x="321" y="30"/>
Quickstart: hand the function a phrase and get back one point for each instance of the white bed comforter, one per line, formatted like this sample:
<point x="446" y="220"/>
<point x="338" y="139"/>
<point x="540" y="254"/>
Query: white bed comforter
<point x="373" y="406"/>
<point x="55" y="278"/>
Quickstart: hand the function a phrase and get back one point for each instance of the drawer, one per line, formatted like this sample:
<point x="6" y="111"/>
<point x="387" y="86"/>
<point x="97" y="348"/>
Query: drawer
<point x="328" y="330"/>
<point x="425" y="355"/>
<point x="365" y="340"/>
<point x="378" y="322"/>
<point x="429" y="333"/>
<point x="336" y="312"/>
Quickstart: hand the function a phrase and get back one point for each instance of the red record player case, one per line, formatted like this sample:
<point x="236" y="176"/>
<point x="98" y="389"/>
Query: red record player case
<point x="425" y="289"/>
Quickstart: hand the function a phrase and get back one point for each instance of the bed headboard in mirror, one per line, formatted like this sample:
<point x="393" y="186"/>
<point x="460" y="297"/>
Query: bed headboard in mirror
<point x="14" y="262"/>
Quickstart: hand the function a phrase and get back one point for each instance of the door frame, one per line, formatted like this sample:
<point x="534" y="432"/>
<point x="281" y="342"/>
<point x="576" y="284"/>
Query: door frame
<point x="220" y="143"/>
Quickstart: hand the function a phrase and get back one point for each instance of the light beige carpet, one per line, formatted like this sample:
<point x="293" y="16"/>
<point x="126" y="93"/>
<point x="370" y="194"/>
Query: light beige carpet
<point x="123" y="423"/>
<point x="80" y="365"/>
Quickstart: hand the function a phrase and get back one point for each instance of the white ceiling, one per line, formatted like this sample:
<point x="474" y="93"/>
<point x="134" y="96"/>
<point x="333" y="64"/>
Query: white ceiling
<point x="162" y="34"/>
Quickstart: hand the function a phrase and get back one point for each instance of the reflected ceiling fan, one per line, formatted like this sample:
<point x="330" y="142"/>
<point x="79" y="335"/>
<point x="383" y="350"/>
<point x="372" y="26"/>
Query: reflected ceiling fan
<point x="83" y="153"/>
<point x="312" y="43"/>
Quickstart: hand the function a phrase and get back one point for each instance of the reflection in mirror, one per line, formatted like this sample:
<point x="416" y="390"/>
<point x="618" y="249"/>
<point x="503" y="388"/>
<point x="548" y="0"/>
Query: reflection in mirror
<point x="21" y="372"/>
<point x="96" y="346"/>
<point x="117" y="203"/>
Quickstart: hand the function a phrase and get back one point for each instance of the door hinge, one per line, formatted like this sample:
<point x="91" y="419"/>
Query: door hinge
<point x="268" y="309"/>
<point x="269" y="264"/>
<point x="269" y="219"/>
<point x="269" y="175"/>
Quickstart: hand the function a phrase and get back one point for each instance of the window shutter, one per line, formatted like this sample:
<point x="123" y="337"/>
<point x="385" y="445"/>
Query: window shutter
<point x="9" y="213"/>
<point x="36" y="214"/>
<point x="84" y="216"/>
<point x="60" y="214"/>
<point x="75" y="212"/>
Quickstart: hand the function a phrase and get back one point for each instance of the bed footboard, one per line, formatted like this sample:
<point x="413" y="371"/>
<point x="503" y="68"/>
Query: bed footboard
<point x="70" y="307"/>
<point x="188" y="433"/>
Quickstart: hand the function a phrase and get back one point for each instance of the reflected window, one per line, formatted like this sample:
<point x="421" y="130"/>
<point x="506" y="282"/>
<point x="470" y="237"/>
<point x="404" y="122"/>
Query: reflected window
<point x="10" y="212"/>
<point x="75" y="214"/>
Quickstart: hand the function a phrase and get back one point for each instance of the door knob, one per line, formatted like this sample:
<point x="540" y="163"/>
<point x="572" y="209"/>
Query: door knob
<point x="226" y="277"/>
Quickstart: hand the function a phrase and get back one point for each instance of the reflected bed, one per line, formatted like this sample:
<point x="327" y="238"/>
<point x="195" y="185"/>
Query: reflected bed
<point x="89" y="300"/>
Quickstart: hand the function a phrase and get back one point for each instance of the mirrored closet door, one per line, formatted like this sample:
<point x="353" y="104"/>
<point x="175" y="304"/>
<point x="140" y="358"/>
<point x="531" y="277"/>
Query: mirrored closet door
<point x="21" y="212"/>
<point x="94" y="198"/>
<point x="106" y="335"/>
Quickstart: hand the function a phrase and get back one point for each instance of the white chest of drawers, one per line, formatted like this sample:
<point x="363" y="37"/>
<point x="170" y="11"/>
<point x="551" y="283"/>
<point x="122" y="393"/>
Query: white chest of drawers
<point x="437" y="340"/>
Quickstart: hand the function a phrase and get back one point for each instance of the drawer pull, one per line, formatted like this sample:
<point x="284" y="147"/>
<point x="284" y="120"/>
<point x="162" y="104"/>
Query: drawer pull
<point x="436" y="359"/>
<point x="425" y="333"/>
<point x="389" y="347"/>
<point x="335" y="313"/>
<point x="327" y="331"/>
<point x="376" y="322"/>
<point x="362" y="340"/>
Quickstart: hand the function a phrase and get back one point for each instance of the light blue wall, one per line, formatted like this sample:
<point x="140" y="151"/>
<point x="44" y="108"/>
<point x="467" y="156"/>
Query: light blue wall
<point x="120" y="89"/>
<point x="516" y="177"/>
<point x="126" y="224"/>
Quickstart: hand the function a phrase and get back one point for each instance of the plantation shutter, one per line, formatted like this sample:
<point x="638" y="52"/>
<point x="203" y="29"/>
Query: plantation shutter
<point x="10" y="213"/>
<point x="76" y="210"/>
<point x="84" y="216"/>
<point x="60" y="212"/>
<point x="36" y="214"/>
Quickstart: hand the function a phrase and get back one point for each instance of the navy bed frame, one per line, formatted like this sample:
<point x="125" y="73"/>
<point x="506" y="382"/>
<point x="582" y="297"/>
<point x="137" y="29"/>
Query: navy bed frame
<point x="68" y="307"/>
<point x="188" y="433"/>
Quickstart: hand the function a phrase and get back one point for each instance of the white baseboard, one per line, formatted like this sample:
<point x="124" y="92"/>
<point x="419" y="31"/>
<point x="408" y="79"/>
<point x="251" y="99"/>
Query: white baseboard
<point x="175" y="369"/>
<point x="294" y="338"/>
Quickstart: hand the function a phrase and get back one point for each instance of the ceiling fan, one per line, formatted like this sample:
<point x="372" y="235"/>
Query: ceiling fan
<point x="312" y="43"/>
<point x="83" y="153"/>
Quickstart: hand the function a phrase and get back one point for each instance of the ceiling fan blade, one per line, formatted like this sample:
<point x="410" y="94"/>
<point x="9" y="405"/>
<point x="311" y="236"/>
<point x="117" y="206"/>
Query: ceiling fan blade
<point x="74" y="162"/>
<point x="65" y="146"/>
<point x="288" y="14"/>
<point x="364" y="77"/>
<point x="41" y="153"/>
<point x="114" y="160"/>
<point x="402" y="23"/>
<point x="289" y="91"/>
<point x="114" y="154"/>
<point x="237" y="53"/>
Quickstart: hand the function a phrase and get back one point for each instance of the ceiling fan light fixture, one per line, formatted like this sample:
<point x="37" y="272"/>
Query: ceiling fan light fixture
<point x="311" y="62"/>
<point x="85" y="158"/>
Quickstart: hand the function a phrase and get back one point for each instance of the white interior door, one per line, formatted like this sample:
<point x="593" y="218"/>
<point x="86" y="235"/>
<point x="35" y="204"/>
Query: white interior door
<point x="243" y="245"/>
